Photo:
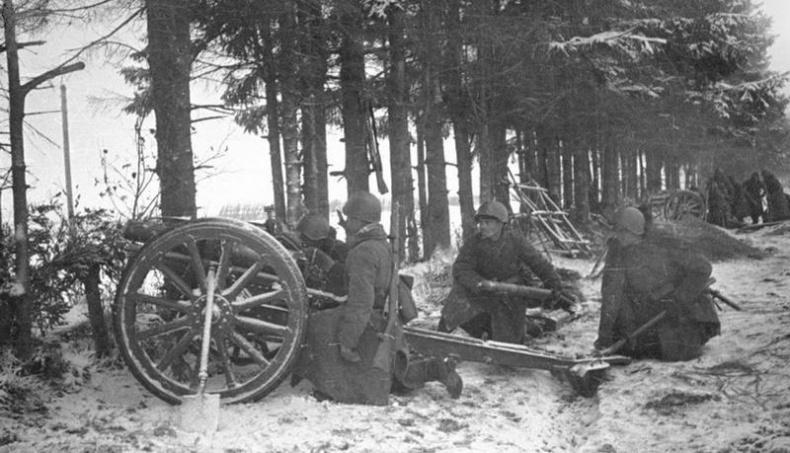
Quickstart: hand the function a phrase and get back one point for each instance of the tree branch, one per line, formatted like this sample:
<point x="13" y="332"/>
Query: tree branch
<point x="51" y="74"/>
<point x="22" y="44"/>
<point x="103" y="38"/>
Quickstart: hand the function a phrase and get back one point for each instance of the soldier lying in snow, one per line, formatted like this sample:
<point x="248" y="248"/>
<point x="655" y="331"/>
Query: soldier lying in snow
<point x="647" y="273"/>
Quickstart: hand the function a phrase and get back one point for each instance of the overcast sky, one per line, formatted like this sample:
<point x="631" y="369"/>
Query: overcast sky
<point x="242" y="175"/>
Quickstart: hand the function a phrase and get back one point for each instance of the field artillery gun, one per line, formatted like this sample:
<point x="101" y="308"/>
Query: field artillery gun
<point x="260" y="309"/>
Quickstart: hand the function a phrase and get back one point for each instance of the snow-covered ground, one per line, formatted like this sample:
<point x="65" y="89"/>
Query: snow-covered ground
<point x="736" y="397"/>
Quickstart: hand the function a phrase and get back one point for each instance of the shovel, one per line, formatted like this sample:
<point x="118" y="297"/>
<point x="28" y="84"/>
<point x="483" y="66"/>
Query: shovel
<point x="200" y="412"/>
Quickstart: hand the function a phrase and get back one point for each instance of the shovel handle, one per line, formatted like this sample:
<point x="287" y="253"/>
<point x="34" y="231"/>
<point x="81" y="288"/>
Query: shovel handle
<point x="211" y="283"/>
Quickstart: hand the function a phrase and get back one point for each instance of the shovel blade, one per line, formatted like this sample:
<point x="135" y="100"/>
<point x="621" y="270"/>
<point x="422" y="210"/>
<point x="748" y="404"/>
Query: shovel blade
<point x="199" y="413"/>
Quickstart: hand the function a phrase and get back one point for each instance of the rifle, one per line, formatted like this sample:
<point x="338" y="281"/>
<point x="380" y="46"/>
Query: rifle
<point x="375" y="156"/>
<point x="621" y="342"/>
<point x="564" y="301"/>
<point x="383" y="358"/>
<point x="717" y="295"/>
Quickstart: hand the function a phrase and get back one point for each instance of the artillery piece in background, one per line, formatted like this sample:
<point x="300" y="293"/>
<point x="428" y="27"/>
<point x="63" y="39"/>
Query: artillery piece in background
<point x="259" y="316"/>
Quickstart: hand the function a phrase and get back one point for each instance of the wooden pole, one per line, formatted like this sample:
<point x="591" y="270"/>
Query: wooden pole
<point x="64" y="111"/>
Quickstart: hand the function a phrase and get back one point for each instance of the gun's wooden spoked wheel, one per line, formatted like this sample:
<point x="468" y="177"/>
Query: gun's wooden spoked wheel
<point x="258" y="319"/>
<point x="684" y="203"/>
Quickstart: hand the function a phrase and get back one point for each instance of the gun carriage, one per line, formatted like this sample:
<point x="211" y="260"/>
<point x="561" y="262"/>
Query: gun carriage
<point x="260" y="308"/>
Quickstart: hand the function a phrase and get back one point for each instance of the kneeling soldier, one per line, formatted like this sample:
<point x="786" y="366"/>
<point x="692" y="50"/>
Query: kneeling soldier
<point x="649" y="273"/>
<point x="494" y="254"/>
<point x="342" y="342"/>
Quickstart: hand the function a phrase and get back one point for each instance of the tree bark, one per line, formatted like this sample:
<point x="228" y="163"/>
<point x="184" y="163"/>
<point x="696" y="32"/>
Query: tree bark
<point x="399" y="138"/>
<point x="654" y="162"/>
<point x="422" y="190"/>
<point x="567" y="152"/>
<point x="458" y="108"/>
<point x="581" y="182"/>
<point x="609" y="176"/>
<point x="21" y="305"/>
<point x="313" y="71"/>
<point x="290" y="128"/>
<point x="273" y="122"/>
<point x="101" y="337"/>
<point x="170" y="61"/>
<point x="352" y="81"/>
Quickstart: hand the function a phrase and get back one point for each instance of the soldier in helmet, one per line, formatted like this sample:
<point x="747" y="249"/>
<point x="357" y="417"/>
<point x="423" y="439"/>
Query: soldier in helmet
<point x="646" y="272"/>
<point x="494" y="253"/>
<point x="323" y="256"/>
<point x="272" y="225"/>
<point x="342" y="342"/>
<point x="315" y="232"/>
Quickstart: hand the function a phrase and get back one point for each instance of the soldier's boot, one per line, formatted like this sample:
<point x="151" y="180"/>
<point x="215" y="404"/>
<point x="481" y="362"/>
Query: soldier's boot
<point x="443" y="370"/>
<point x="412" y="373"/>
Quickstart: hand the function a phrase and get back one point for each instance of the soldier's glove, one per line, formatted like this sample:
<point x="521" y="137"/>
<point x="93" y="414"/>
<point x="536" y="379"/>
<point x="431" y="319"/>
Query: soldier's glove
<point x="317" y="258"/>
<point x="485" y="286"/>
<point x="560" y="299"/>
<point x="349" y="355"/>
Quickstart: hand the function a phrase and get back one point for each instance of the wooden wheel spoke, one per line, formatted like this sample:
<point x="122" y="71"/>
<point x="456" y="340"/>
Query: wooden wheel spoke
<point x="197" y="262"/>
<point x="258" y="300"/>
<point x="227" y="367"/>
<point x="249" y="348"/>
<point x="242" y="281"/>
<point x="166" y="328"/>
<point x="177" y="281"/>
<point x="177" y="305"/>
<point x="176" y="351"/>
<point x="223" y="266"/>
<point x="261" y="327"/>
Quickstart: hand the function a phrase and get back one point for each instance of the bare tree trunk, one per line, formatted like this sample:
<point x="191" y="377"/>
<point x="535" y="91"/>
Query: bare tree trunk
<point x="101" y="337"/>
<point x="654" y="163"/>
<point x="595" y="185"/>
<point x="273" y="122"/>
<point x="500" y="170"/>
<point x="352" y="81"/>
<point x="567" y="174"/>
<point x="609" y="174"/>
<point x="553" y="168"/>
<point x="400" y="151"/>
<point x="170" y="61"/>
<point x="290" y="131"/>
<point x="581" y="182"/>
<point x="20" y="306"/>
<point x="458" y="107"/>
<point x="438" y="207"/>
<point x="313" y="71"/>
<point x="422" y="189"/>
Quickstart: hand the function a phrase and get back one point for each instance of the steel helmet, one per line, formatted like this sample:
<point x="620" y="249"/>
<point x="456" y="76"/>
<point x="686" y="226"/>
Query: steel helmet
<point x="630" y="219"/>
<point x="492" y="209"/>
<point x="313" y="227"/>
<point x="363" y="206"/>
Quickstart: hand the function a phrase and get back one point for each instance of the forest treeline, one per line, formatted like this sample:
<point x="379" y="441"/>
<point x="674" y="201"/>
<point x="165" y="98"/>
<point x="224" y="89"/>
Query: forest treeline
<point x="599" y="101"/>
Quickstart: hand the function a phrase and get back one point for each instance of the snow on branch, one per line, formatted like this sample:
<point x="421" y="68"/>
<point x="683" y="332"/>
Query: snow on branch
<point x="608" y="38"/>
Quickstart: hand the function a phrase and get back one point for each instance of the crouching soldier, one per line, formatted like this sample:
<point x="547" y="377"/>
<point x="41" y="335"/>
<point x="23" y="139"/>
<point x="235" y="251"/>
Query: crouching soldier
<point x="342" y="342"/>
<point x="649" y="273"/>
<point x="493" y="254"/>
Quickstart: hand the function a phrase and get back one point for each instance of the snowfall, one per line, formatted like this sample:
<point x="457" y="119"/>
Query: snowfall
<point x="735" y="398"/>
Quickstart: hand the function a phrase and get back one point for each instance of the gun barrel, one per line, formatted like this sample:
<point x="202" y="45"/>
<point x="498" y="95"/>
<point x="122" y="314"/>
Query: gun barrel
<point x="716" y="294"/>
<point x="521" y="290"/>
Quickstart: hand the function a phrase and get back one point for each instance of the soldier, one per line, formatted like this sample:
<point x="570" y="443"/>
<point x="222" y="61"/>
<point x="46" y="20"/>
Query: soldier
<point x="322" y="257"/>
<point x="272" y="225"/>
<point x="314" y="232"/>
<point x="646" y="274"/>
<point x="754" y="190"/>
<point x="778" y="206"/>
<point x="495" y="253"/>
<point x="343" y="342"/>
